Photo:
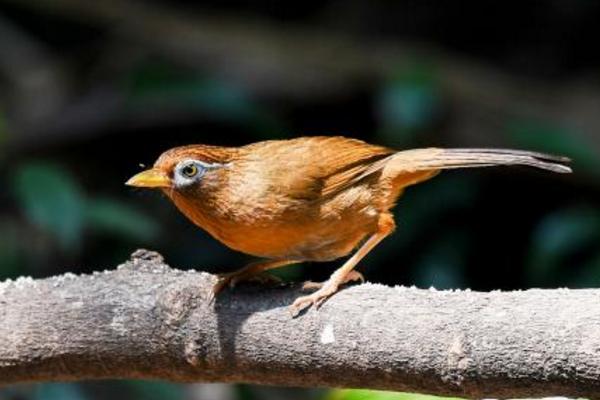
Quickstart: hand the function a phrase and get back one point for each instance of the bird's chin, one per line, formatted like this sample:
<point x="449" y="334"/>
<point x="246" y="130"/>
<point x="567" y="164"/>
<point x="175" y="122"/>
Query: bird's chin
<point x="170" y="191"/>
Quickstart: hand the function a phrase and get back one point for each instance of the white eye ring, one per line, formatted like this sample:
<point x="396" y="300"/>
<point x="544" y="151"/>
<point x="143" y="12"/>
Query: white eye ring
<point x="189" y="171"/>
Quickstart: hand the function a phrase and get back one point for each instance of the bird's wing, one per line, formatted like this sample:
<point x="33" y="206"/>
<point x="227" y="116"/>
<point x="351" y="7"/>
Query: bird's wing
<point x="309" y="168"/>
<point x="349" y="164"/>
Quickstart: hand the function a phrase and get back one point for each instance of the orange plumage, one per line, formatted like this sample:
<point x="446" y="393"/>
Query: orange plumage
<point x="306" y="199"/>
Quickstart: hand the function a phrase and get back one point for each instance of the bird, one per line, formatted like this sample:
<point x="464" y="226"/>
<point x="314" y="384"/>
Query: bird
<point x="316" y="198"/>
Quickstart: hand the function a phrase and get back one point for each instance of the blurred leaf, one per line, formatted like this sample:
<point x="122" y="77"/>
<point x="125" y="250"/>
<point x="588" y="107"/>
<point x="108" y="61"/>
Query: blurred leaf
<point x="361" y="394"/>
<point x="10" y="260"/>
<point x="422" y="206"/>
<point x="164" y="86"/>
<point x="58" y="391"/>
<point x="541" y="136"/>
<point x="441" y="266"/>
<point x="290" y="273"/>
<point x="559" y="235"/>
<point x="51" y="200"/>
<point x="590" y="275"/>
<point x="151" y="390"/>
<point x="111" y="216"/>
<point x="408" y="104"/>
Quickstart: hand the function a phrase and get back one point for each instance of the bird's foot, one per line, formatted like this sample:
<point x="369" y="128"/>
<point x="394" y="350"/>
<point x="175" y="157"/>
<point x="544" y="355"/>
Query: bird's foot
<point x="231" y="279"/>
<point x="314" y="299"/>
<point x="353" y="276"/>
<point x="325" y="290"/>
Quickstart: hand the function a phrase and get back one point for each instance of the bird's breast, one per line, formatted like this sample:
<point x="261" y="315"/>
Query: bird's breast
<point x="284" y="228"/>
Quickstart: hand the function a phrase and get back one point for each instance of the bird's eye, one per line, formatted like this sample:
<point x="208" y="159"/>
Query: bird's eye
<point x="189" y="170"/>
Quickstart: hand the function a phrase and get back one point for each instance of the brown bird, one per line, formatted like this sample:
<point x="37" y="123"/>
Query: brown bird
<point x="306" y="199"/>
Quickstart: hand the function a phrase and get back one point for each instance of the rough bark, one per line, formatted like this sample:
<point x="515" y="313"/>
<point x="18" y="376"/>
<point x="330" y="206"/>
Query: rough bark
<point x="147" y="320"/>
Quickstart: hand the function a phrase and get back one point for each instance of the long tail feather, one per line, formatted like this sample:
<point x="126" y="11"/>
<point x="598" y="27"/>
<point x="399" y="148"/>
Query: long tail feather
<point x="434" y="158"/>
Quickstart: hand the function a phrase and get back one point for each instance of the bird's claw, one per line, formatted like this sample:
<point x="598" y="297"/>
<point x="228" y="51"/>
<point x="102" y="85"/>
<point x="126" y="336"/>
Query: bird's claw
<point x="315" y="299"/>
<point x="325" y="290"/>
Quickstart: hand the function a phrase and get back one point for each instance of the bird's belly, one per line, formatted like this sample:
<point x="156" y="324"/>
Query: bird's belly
<point x="280" y="243"/>
<point x="320" y="240"/>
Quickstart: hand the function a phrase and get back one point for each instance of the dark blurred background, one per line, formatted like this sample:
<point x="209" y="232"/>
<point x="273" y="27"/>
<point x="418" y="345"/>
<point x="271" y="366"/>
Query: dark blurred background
<point x="89" y="90"/>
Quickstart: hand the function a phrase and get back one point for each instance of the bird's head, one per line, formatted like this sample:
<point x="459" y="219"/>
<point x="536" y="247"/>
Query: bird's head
<point x="186" y="171"/>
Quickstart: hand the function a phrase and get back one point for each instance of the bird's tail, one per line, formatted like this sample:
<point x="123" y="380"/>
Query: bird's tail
<point x="437" y="159"/>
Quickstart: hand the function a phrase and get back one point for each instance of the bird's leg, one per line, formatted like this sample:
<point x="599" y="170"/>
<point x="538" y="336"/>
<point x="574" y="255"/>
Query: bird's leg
<point x="249" y="272"/>
<point x="346" y="272"/>
<point x="352" y="276"/>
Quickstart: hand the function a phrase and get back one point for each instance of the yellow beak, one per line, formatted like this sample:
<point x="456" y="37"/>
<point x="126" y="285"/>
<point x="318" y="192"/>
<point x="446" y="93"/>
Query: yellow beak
<point x="151" y="178"/>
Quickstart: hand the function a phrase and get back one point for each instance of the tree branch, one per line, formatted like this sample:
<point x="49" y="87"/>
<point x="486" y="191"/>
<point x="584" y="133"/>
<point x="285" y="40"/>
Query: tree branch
<point x="147" y="320"/>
